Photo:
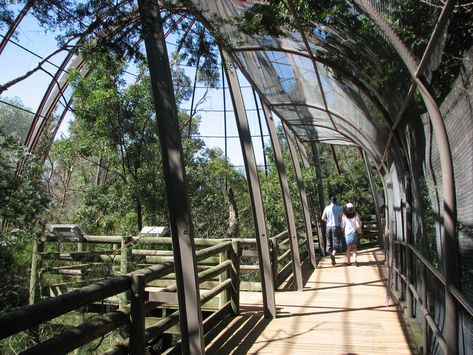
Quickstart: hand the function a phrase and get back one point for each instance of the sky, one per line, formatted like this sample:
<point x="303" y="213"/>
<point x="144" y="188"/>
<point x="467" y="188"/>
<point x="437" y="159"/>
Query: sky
<point x="15" y="61"/>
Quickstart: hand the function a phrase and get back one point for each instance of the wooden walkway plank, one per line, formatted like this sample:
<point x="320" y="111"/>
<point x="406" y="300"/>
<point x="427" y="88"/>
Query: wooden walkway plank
<point x="342" y="310"/>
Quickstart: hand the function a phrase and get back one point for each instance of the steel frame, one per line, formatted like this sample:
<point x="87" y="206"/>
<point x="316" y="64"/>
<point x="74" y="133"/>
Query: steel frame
<point x="267" y="284"/>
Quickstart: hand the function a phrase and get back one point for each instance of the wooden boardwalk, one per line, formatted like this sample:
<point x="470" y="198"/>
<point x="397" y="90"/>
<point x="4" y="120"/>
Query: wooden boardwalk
<point x="342" y="310"/>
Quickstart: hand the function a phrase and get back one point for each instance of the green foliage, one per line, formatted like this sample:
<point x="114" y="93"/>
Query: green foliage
<point x="23" y="207"/>
<point x="427" y="242"/>
<point x="209" y="178"/>
<point x="352" y="185"/>
<point x="13" y="120"/>
<point x="117" y="185"/>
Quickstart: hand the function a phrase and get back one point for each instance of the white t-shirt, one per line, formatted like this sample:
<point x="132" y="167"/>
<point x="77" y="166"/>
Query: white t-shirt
<point x="350" y="224"/>
<point x="333" y="215"/>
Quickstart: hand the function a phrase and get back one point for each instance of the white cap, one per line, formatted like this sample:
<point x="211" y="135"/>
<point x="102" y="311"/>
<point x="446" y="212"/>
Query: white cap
<point x="349" y="205"/>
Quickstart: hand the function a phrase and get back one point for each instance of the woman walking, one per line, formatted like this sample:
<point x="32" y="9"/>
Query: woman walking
<point x="351" y="225"/>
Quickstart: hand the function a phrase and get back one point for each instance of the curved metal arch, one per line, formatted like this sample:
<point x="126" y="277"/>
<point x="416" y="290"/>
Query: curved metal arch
<point x="339" y="116"/>
<point x="57" y="88"/>
<point x="262" y="96"/>
<point x="446" y="164"/>
<point x="343" y="72"/>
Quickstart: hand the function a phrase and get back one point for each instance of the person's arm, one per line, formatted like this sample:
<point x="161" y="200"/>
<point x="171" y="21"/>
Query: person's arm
<point x="324" y="215"/>
<point x="357" y="221"/>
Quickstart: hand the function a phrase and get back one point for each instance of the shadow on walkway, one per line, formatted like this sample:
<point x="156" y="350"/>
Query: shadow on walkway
<point x="241" y="334"/>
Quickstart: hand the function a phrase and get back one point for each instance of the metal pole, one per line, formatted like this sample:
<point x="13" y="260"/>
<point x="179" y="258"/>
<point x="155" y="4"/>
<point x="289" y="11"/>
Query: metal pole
<point x="409" y="242"/>
<point x="287" y="200"/>
<point x="320" y="193"/>
<point x="302" y="194"/>
<point x="261" y="132"/>
<point x="224" y="112"/>
<point x="374" y="193"/>
<point x="334" y="156"/>
<point x="190" y="315"/>
<point x="269" y="303"/>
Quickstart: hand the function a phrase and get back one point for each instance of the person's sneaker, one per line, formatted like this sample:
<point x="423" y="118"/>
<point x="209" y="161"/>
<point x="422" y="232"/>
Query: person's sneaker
<point x="333" y="260"/>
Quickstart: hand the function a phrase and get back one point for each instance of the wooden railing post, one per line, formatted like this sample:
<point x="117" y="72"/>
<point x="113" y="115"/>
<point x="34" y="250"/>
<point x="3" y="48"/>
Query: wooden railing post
<point x="235" y="276"/>
<point x="225" y="295"/>
<point x="137" y="315"/>
<point x="38" y="247"/>
<point x="123" y="298"/>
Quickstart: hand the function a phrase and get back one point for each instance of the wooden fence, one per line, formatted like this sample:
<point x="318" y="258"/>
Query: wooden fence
<point x="149" y="287"/>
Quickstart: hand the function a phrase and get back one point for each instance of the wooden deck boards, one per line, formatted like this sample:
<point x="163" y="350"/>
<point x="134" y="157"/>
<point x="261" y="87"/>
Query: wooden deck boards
<point x="342" y="310"/>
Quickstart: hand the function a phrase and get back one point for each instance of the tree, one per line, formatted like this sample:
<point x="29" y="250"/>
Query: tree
<point x="23" y="209"/>
<point x="15" y="119"/>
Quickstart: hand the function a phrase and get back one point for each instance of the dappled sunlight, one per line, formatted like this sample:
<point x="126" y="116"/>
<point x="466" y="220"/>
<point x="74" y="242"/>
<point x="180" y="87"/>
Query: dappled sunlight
<point x="342" y="310"/>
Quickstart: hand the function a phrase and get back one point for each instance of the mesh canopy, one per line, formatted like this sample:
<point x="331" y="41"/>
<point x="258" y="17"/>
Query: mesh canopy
<point x="332" y="83"/>
<point x="314" y="94"/>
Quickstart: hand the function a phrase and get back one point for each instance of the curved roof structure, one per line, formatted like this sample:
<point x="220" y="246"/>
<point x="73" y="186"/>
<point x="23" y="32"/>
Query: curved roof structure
<point x="316" y="81"/>
<point x="355" y="72"/>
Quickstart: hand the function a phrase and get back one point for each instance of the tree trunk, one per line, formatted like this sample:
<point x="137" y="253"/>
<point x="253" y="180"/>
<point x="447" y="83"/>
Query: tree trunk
<point x="139" y="214"/>
<point x="233" y="230"/>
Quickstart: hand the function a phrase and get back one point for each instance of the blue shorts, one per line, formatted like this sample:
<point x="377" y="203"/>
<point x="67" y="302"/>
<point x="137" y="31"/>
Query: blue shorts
<point x="352" y="238"/>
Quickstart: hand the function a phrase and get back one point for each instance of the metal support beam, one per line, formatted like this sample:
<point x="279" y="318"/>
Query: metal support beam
<point x="445" y="155"/>
<point x="408" y="250"/>
<point x="15" y="24"/>
<point x="374" y="193"/>
<point x="190" y="315"/>
<point x="287" y="200"/>
<point x="303" y="196"/>
<point x="253" y="186"/>
<point x="261" y="132"/>
<point x="304" y="157"/>
<point x="335" y="160"/>
<point x="320" y="193"/>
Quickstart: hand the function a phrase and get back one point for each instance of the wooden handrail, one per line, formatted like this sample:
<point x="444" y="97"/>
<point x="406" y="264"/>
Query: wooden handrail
<point x="23" y="319"/>
<point x="34" y="314"/>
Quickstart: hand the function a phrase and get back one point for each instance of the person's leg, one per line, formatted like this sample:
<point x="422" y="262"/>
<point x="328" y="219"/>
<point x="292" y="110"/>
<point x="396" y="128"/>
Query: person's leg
<point x="337" y="237"/>
<point x="349" y="246"/>
<point x="355" y="248"/>
<point x="331" y="239"/>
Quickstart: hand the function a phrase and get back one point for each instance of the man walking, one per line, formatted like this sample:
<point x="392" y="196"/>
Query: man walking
<point x="333" y="217"/>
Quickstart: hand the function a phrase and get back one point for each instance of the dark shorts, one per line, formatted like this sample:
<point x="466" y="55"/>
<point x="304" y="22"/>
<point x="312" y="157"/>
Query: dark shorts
<point x="333" y="238"/>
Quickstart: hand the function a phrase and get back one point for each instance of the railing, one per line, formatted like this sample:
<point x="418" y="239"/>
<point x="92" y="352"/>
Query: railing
<point x="117" y="255"/>
<point x="428" y="319"/>
<point x="138" y="293"/>
<point x="143" y="301"/>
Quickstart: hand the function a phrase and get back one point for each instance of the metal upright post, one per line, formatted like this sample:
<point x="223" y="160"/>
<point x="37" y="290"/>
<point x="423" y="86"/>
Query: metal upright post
<point x="409" y="256"/>
<point x="287" y="200"/>
<point x="320" y="192"/>
<point x="335" y="160"/>
<point x="261" y="132"/>
<point x="374" y="193"/>
<point x="254" y="188"/>
<point x="302" y="194"/>
<point x="190" y="315"/>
